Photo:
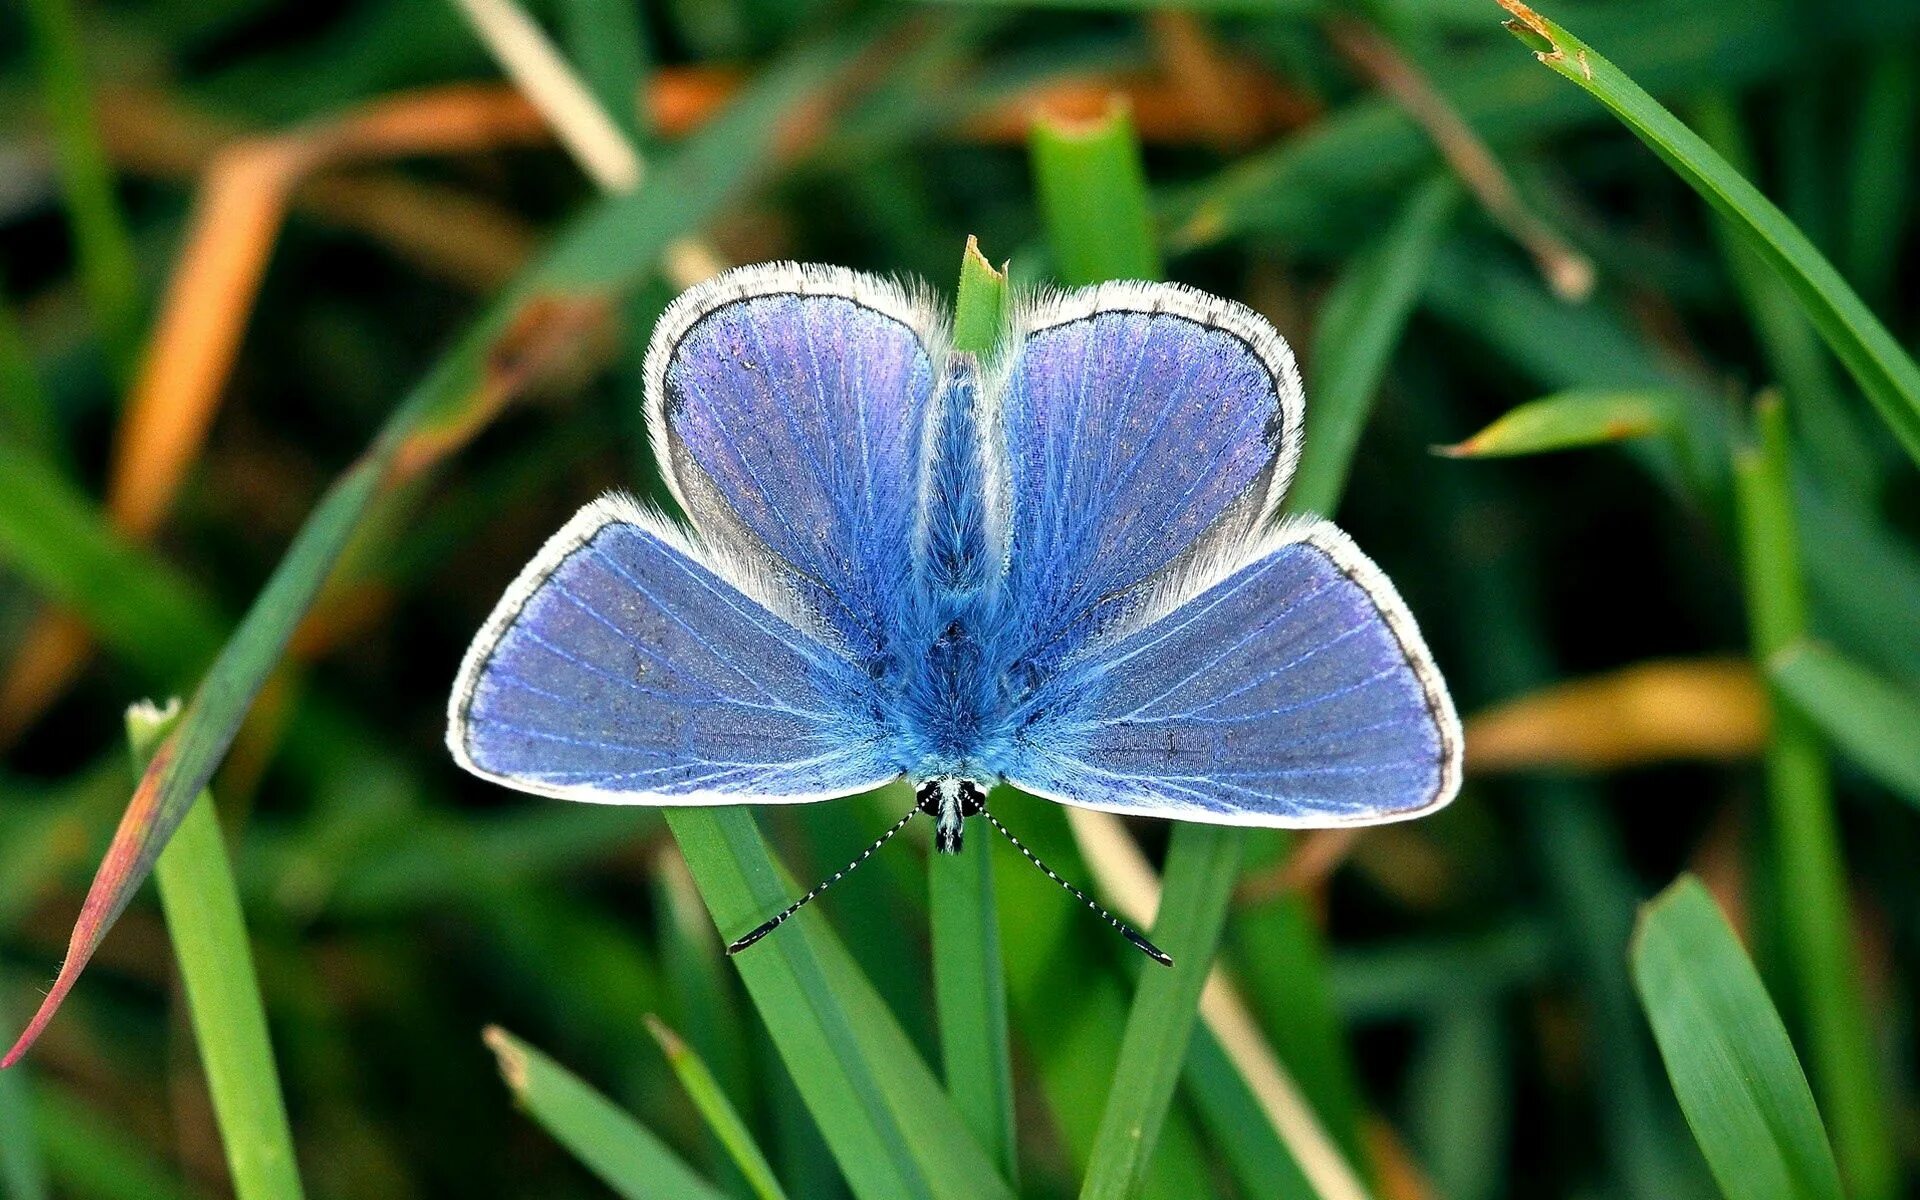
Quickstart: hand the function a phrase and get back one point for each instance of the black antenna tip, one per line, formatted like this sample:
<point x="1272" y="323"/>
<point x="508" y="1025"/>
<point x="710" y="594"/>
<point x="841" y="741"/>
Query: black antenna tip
<point x="767" y="927"/>
<point x="1152" y="951"/>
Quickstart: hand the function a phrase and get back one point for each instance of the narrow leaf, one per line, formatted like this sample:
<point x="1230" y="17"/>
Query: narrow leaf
<point x="1571" y="420"/>
<point x="890" y="1126"/>
<point x="621" y="1152"/>
<point x="1874" y="722"/>
<point x="1728" y="1054"/>
<point x="1202" y="863"/>
<point x="1884" y="371"/>
<point x="605" y="250"/>
<point x="1812" y="883"/>
<point x="721" y="1117"/>
<point x="209" y="935"/>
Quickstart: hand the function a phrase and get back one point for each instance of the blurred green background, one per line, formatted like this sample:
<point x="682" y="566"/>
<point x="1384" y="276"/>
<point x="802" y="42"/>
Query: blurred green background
<point x="313" y="331"/>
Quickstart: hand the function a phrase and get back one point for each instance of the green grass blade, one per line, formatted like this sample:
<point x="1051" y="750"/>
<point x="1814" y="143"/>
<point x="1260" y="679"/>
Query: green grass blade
<point x="108" y="272"/>
<point x="721" y="1117"/>
<point x="604" y="251"/>
<point x="1572" y="420"/>
<point x="1806" y="844"/>
<point x="1092" y="189"/>
<point x="1875" y="722"/>
<point x="1233" y="1116"/>
<point x="621" y="1152"/>
<point x="1728" y="1054"/>
<point x="1884" y="371"/>
<point x="1359" y="325"/>
<point x="969" y="980"/>
<point x="210" y="944"/>
<point x="980" y="306"/>
<point x="889" y="1124"/>
<point x="1202" y="863"/>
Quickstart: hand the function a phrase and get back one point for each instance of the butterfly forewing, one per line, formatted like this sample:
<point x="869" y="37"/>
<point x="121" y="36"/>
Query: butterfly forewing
<point x="1292" y="690"/>
<point x="787" y="406"/>
<point x="1141" y="423"/>
<point x="623" y="668"/>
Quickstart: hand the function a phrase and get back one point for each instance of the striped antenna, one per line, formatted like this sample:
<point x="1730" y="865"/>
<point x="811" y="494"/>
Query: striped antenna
<point x="1127" y="931"/>
<point x="778" y="919"/>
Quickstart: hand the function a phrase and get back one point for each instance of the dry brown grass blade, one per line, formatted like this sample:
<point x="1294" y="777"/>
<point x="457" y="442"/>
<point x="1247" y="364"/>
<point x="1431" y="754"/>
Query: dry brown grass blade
<point x="1713" y="709"/>
<point x="1567" y="271"/>
<point x="241" y="205"/>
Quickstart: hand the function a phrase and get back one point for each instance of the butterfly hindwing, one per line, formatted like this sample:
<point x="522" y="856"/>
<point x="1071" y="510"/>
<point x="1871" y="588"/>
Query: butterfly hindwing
<point x="1290" y="689"/>
<point x="787" y="404"/>
<point x="625" y="666"/>
<point x="1141" y="423"/>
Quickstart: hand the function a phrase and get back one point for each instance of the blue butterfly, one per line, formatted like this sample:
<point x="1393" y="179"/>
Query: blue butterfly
<point x="1058" y="567"/>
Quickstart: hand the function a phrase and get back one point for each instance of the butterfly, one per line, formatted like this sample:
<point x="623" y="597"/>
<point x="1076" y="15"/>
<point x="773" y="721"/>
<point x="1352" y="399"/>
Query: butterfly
<point x="1058" y="566"/>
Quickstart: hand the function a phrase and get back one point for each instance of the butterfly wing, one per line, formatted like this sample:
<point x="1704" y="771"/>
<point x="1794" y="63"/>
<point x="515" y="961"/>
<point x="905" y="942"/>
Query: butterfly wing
<point x="786" y="404"/>
<point x="1291" y="688"/>
<point x="626" y="667"/>
<point x="1143" y="424"/>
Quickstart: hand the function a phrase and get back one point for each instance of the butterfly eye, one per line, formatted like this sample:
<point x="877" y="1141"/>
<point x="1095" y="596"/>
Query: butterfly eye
<point x="973" y="801"/>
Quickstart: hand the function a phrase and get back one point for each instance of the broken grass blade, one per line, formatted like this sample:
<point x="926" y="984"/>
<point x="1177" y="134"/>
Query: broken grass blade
<point x="1884" y="371"/>
<point x="721" y="1117"/>
<point x="621" y="1152"/>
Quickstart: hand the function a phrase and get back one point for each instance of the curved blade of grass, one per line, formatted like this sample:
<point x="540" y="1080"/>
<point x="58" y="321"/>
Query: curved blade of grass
<point x="1568" y="421"/>
<point x="602" y="252"/>
<point x="1884" y="371"/>
<point x="620" y="1151"/>
<point x="1296" y="190"/>
<point x="1806" y="841"/>
<point x="1728" y="1054"/>
<point x="1875" y="722"/>
<point x="890" y="1126"/>
<point x="1202" y="863"/>
<point x="209" y="935"/>
<point x="718" y="1111"/>
<point x="969" y="978"/>
<point x="1359" y="325"/>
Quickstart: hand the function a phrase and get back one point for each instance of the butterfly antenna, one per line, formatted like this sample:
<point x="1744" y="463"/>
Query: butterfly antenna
<point x="1126" y="931"/>
<point x="780" y="918"/>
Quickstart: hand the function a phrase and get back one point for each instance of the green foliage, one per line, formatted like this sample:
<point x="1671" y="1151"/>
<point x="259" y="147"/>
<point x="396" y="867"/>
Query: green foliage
<point x="956" y="1026"/>
<point x="1568" y="420"/>
<point x="623" y="1153"/>
<point x="209" y="937"/>
<point x="1728" y="1054"/>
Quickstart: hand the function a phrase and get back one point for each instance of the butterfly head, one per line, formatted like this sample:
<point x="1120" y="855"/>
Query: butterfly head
<point x="950" y="800"/>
